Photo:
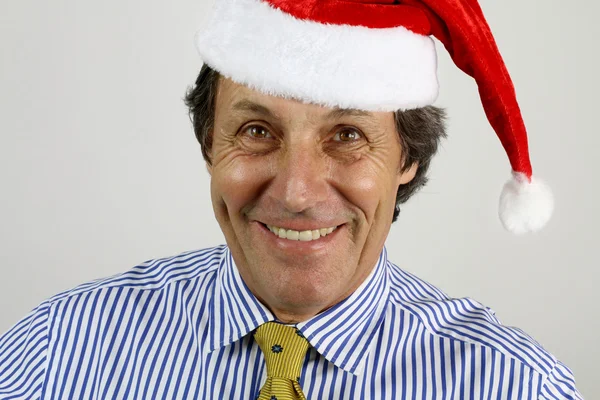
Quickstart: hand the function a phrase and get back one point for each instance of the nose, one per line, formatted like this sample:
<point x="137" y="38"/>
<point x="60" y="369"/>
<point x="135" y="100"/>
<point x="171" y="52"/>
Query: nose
<point x="301" y="179"/>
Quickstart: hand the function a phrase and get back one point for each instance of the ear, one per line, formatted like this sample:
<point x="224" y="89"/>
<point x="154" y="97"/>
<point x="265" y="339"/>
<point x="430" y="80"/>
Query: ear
<point x="407" y="176"/>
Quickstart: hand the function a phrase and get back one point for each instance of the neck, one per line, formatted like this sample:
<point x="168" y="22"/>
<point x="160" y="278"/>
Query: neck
<point x="294" y="316"/>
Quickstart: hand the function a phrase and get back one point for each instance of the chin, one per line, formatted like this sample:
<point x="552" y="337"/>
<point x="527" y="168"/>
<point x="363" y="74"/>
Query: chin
<point x="294" y="277"/>
<point x="303" y="295"/>
<point x="304" y="283"/>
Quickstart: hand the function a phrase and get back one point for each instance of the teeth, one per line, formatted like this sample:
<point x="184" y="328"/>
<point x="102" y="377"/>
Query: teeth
<point x="304" y="236"/>
<point x="292" y="235"/>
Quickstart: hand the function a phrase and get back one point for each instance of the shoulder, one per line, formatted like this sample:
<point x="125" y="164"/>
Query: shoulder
<point x="153" y="275"/>
<point x="150" y="278"/>
<point x="466" y="320"/>
<point x="28" y="350"/>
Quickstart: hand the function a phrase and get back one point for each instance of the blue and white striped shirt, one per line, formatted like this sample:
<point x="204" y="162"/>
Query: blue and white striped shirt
<point x="180" y="328"/>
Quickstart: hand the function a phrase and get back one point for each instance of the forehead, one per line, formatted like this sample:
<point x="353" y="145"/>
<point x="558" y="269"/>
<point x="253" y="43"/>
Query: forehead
<point x="235" y="98"/>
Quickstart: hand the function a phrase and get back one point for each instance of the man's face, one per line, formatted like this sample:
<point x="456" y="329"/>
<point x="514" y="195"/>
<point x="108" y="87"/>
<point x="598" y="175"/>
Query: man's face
<point x="288" y="167"/>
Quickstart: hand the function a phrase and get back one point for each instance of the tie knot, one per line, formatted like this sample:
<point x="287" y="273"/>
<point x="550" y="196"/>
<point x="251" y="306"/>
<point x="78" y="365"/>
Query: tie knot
<point x="284" y="349"/>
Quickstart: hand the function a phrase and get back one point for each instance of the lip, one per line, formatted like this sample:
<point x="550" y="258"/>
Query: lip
<point x="300" y="225"/>
<point x="295" y="246"/>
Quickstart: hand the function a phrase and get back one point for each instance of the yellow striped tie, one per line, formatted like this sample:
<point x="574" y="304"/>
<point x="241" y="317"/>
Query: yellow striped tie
<point x="284" y="349"/>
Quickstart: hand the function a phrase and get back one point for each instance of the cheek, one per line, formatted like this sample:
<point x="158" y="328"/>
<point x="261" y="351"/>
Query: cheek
<point x="369" y="186"/>
<point x="237" y="181"/>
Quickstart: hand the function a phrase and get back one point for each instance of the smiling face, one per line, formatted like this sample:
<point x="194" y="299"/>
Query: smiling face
<point x="304" y="195"/>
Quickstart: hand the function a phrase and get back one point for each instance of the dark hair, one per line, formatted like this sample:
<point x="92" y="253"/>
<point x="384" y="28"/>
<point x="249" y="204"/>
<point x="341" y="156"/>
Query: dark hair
<point x="420" y="131"/>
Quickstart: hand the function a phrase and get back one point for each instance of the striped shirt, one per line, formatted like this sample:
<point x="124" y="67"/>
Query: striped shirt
<point x="180" y="328"/>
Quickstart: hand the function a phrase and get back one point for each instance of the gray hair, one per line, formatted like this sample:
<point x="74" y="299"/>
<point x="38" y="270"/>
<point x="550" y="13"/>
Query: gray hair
<point x="420" y="131"/>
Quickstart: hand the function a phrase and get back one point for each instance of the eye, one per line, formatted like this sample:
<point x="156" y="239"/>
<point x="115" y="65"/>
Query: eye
<point x="257" y="132"/>
<point x="347" y="135"/>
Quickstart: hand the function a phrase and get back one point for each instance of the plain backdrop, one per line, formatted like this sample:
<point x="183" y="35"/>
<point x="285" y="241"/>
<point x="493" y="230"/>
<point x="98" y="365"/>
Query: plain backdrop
<point x="100" y="169"/>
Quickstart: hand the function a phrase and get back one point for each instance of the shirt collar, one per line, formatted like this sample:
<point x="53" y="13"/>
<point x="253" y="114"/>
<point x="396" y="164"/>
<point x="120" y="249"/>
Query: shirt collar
<point x="342" y="334"/>
<point x="233" y="310"/>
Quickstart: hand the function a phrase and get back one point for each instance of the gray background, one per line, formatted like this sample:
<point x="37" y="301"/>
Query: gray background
<point x="100" y="170"/>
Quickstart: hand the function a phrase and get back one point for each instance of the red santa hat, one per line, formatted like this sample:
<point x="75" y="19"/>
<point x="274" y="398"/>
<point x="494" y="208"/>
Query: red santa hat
<point x="376" y="55"/>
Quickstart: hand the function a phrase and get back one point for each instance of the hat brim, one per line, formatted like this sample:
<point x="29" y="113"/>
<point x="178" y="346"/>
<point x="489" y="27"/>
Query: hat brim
<point x="341" y="66"/>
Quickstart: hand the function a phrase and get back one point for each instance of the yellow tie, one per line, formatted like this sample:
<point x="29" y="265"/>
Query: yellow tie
<point x="284" y="349"/>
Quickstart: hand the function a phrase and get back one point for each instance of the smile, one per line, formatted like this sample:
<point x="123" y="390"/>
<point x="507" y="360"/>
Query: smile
<point x="304" y="236"/>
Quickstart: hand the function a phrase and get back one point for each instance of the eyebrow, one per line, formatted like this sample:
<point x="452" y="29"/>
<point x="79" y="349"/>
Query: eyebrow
<point x="348" y="112"/>
<point x="247" y="105"/>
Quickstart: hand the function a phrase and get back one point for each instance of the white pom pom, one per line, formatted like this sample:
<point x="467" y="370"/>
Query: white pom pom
<point x="525" y="206"/>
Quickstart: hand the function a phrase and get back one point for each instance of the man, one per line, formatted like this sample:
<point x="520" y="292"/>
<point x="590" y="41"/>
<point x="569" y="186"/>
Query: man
<point x="310" y="160"/>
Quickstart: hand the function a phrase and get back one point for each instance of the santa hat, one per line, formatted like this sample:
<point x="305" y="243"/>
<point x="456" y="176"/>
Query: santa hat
<point x="376" y="55"/>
